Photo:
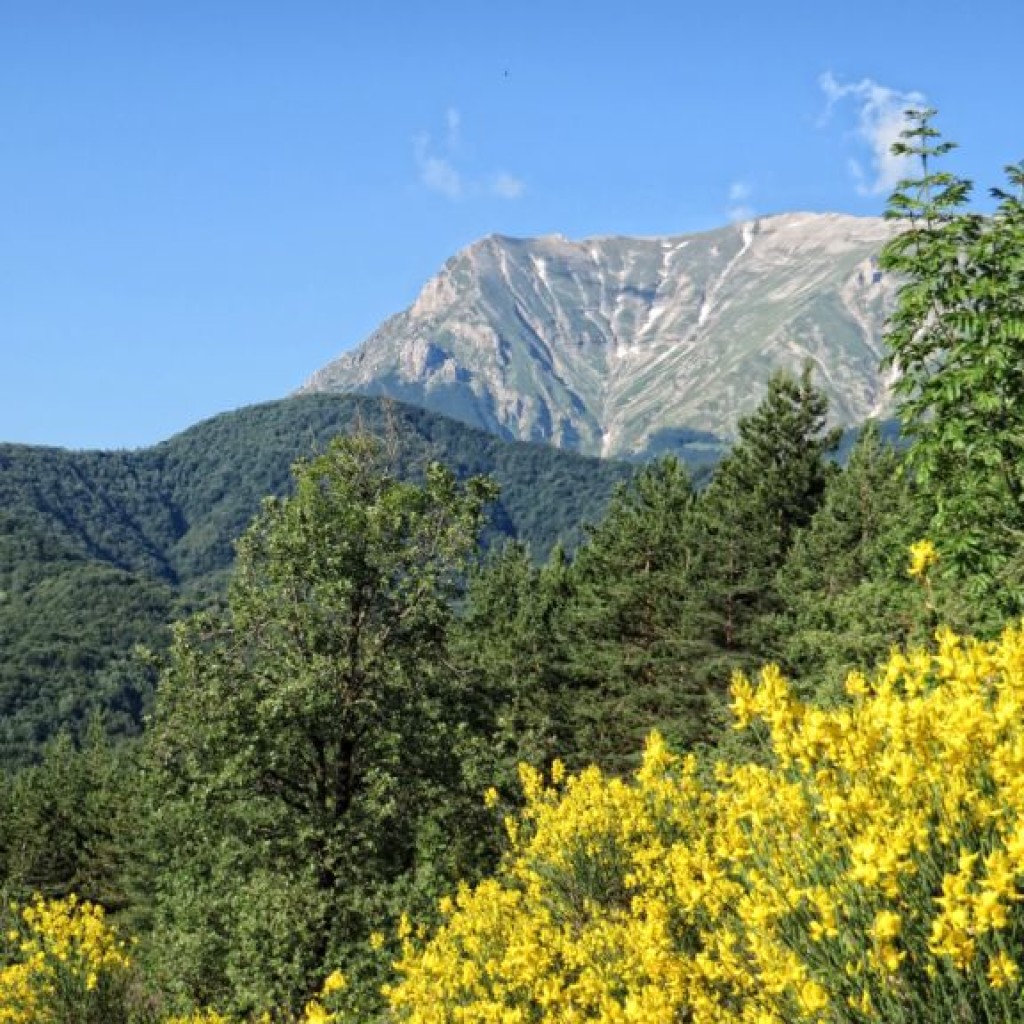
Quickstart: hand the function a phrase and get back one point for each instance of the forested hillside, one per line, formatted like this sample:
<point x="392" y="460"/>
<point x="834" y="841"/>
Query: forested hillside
<point x="99" y="551"/>
<point x="750" y="754"/>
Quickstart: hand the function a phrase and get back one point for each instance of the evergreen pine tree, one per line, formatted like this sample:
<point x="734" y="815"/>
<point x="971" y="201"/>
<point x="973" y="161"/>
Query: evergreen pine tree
<point x="505" y="641"/>
<point x="765" y="490"/>
<point x="626" y="652"/>
<point x="846" y="596"/>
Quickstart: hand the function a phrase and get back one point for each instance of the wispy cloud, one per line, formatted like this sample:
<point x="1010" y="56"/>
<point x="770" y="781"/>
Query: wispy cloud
<point x="739" y="201"/>
<point x="453" y="123"/>
<point x="438" y="166"/>
<point x="437" y="173"/>
<point x="505" y="186"/>
<point x="879" y="111"/>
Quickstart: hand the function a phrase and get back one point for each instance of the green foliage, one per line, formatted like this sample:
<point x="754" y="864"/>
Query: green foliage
<point x="956" y="337"/>
<point x="846" y="598"/>
<point x="175" y="510"/>
<point x="506" y="641"/>
<point x="627" y="650"/>
<point x="69" y="822"/>
<point x="762" y="493"/>
<point x="218" y="472"/>
<point x="316" y="756"/>
<point x="670" y="593"/>
<point x="99" y="551"/>
<point x="69" y="633"/>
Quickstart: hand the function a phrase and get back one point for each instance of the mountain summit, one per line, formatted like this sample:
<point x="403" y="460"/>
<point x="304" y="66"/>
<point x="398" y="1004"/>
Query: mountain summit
<point x="621" y="346"/>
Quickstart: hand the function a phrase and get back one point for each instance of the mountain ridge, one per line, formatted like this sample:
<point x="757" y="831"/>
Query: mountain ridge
<point x="606" y="344"/>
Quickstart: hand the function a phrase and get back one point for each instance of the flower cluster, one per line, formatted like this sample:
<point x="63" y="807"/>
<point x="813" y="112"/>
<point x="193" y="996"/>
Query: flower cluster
<point x="62" y="962"/>
<point x="922" y="557"/>
<point x="869" y="871"/>
<point x="316" y="1011"/>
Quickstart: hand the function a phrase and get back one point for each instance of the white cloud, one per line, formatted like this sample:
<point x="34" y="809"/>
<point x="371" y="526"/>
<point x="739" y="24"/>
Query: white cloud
<point x="505" y="186"/>
<point x="880" y="119"/>
<point x="438" y="166"/>
<point x="739" y="207"/>
<point x="437" y="173"/>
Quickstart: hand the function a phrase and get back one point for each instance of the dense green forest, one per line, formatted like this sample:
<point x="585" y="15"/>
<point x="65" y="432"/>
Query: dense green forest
<point x="100" y="551"/>
<point x="388" y="704"/>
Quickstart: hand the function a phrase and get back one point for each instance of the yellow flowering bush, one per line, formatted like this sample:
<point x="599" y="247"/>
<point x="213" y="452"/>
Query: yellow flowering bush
<point x="62" y="963"/>
<point x="868" y="869"/>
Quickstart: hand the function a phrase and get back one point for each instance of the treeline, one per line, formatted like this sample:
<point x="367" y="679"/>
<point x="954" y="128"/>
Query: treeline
<point x="334" y="745"/>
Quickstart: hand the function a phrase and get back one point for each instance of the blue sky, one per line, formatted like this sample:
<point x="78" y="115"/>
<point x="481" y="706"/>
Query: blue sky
<point x="203" y="202"/>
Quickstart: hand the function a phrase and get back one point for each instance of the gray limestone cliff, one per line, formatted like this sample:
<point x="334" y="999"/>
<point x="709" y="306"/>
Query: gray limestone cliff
<point x="615" y="346"/>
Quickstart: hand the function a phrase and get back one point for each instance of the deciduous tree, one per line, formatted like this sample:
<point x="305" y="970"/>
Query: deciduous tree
<point x="956" y="338"/>
<point x="309" y="740"/>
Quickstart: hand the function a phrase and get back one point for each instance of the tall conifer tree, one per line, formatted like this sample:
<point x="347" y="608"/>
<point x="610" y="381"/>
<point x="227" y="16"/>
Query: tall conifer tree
<point x="846" y="596"/>
<point x="629" y="657"/>
<point x="765" y="490"/>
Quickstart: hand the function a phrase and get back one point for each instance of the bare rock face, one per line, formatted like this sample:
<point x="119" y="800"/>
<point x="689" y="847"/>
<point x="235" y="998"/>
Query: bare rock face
<point x="611" y="345"/>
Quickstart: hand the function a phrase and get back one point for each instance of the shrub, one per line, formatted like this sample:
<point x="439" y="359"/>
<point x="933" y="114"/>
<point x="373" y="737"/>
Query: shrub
<point x="866" y="868"/>
<point x="62" y="963"/>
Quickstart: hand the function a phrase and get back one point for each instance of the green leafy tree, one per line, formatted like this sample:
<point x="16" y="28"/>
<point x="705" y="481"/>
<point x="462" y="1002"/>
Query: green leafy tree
<point x="956" y="339"/>
<point x="310" y="740"/>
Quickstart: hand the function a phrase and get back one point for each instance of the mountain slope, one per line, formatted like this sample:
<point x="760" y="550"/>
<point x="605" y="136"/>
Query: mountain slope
<point x="621" y="346"/>
<point x="216" y="473"/>
<point x="100" y="550"/>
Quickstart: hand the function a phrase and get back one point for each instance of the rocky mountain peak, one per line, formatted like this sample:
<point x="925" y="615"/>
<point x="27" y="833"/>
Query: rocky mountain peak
<point x="617" y="345"/>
